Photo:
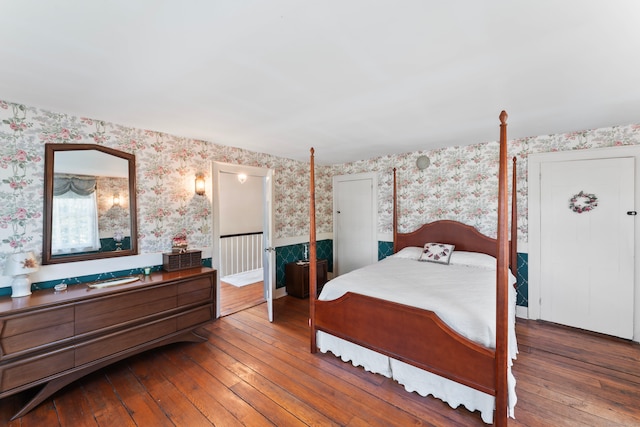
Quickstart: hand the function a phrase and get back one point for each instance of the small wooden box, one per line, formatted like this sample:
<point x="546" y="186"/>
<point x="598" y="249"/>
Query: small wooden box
<point x="180" y="261"/>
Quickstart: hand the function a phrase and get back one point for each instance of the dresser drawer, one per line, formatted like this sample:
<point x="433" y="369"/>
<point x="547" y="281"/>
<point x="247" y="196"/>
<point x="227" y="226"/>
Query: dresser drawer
<point x="113" y="343"/>
<point x="25" y="371"/>
<point x="122" y="308"/>
<point x="194" y="291"/>
<point x="32" y="330"/>
<point x="196" y="317"/>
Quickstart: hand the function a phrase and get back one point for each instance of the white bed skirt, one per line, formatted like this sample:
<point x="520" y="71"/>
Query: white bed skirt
<point x="413" y="379"/>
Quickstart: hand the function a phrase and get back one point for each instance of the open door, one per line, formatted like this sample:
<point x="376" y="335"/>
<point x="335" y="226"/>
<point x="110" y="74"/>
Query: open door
<point x="269" y="253"/>
<point x="269" y="256"/>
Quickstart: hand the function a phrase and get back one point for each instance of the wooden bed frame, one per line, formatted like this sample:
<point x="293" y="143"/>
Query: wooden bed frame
<point x="419" y="337"/>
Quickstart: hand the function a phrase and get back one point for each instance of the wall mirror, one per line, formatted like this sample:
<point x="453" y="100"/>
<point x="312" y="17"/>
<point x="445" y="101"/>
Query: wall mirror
<point x="89" y="203"/>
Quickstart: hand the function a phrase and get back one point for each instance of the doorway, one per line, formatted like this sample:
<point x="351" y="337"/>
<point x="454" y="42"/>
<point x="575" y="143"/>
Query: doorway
<point x="241" y="242"/>
<point x="242" y="230"/>
<point x="582" y="239"/>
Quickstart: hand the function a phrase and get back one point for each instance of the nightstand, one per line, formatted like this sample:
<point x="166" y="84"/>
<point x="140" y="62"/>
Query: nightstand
<point x="296" y="277"/>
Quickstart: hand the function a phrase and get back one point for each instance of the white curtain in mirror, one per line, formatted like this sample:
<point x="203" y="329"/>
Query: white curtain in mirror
<point x="74" y="223"/>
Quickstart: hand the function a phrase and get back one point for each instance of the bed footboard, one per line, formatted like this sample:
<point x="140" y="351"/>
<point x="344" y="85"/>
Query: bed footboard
<point x="412" y="335"/>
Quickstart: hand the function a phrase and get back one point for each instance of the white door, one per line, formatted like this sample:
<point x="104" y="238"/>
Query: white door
<point x="354" y="221"/>
<point x="587" y="244"/>
<point x="269" y="254"/>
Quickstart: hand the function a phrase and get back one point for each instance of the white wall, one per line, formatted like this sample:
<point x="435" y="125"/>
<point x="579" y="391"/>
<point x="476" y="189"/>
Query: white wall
<point x="240" y="204"/>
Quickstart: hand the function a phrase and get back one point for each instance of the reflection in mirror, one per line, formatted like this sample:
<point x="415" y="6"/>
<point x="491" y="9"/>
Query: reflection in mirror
<point x="89" y="203"/>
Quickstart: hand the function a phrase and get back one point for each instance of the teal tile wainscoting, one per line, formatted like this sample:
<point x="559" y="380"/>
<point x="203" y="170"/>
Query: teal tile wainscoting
<point x="293" y="253"/>
<point x="522" y="287"/>
<point x="108" y="244"/>
<point x="384" y="249"/>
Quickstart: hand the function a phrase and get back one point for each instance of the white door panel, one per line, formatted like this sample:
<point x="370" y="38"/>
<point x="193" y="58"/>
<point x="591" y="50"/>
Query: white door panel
<point x="587" y="259"/>
<point x="269" y="257"/>
<point x="355" y="217"/>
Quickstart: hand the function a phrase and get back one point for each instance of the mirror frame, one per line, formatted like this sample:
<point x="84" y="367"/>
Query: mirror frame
<point x="50" y="150"/>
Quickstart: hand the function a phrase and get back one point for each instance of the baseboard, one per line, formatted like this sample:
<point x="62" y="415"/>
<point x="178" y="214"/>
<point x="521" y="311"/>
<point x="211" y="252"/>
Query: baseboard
<point x="280" y="292"/>
<point x="522" y="312"/>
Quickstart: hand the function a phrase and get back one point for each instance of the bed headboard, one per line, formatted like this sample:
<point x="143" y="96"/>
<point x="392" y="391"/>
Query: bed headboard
<point x="464" y="237"/>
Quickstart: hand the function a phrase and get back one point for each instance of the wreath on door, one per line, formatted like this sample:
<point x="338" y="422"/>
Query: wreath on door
<point x="583" y="202"/>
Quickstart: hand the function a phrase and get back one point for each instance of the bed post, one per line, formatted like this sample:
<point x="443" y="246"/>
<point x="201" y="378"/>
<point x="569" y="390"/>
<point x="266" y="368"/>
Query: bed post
<point x="500" y="418"/>
<point x="312" y="254"/>
<point x="513" y="259"/>
<point x="395" y="212"/>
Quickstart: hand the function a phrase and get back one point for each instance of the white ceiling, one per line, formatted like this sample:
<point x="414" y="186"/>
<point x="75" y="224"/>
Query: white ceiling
<point x="354" y="78"/>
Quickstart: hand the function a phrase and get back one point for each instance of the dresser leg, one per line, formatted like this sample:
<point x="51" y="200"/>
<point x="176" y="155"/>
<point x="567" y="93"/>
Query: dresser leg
<point x="47" y="390"/>
<point x="57" y="383"/>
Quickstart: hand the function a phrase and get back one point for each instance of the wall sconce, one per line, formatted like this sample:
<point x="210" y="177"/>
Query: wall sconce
<point x="242" y="177"/>
<point x="423" y="162"/>
<point x="200" y="184"/>
<point x="19" y="266"/>
<point x="116" y="200"/>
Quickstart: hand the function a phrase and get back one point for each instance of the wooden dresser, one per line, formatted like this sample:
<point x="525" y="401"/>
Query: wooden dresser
<point x="50" y="339"/>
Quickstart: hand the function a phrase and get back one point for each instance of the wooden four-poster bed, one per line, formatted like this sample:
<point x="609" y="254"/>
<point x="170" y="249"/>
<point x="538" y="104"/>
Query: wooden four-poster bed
<point x="416" y="338"/>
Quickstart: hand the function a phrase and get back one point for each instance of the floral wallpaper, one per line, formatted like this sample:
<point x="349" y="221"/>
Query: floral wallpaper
<point x="459" y="184"/>
<point x="462" y="184"/>
<point x="165" y="166"/>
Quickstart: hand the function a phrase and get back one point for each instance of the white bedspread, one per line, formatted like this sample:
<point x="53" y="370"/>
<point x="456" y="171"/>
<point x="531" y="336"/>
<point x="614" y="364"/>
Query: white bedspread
<point x="464" y="297"/>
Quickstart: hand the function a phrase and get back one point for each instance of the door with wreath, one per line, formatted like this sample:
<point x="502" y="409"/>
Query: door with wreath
<point x="587" y="244"/>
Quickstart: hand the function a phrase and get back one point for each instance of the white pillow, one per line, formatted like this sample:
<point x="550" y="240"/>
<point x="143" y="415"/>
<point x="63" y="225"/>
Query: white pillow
<point x="473" y="259"/>
<point x="410" y="252"/>
<point x="437" y="252"/>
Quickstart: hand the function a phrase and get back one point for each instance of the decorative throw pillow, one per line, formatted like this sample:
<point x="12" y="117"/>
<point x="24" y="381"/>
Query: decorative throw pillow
<point x="437" y="252"/>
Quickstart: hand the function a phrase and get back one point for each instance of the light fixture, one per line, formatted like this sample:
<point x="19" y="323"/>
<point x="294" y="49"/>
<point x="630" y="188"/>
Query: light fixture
<point x="116" y="200"/>
<point x="200" y="184"/>
<point x="118" y="237"/>
<point x="422" y="163"/>
<point x="19" y="266"/>
<point x="242" y="177"/>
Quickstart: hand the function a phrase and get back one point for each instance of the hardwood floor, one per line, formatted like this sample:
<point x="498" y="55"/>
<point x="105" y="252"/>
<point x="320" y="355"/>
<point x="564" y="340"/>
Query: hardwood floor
<point x="234" y="299"/>
<point x="254" y="373"/>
